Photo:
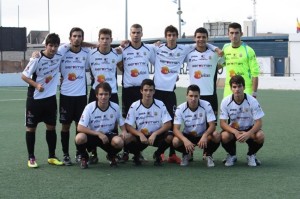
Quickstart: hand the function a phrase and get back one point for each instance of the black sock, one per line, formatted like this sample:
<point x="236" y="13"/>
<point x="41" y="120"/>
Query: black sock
<point x="211" y="148"/>
<point x="65" y="137"/>
<point x="132" y="148"/>
<point x="181" y="149"/>
<point x="125" y="149"/>
<point x="230" y="147"/>
<point x="253" y="147"/>
<point x="30" y="142"/>
<point x="112" y="151"/>
<point x="51" y="140"/>
<point x="82" y="150"/>
<point x="171" y="150"/>
<point x="163" y="145"/>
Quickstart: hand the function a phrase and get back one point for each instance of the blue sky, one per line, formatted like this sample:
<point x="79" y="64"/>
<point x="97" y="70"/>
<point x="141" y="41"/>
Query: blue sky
<point x="153" y="15"/>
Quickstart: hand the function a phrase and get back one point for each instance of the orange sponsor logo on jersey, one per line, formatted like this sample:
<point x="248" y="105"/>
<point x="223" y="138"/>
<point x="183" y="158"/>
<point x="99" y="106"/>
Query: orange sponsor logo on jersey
<point x="165" y="70"/>
<point x="134" y="72"/>
<point x="145" y="131"/>
<point x="101" y="78"/>
<point x="72" y="76"/>
<point x="48" y="79"/>
<point x="197" y="74"/>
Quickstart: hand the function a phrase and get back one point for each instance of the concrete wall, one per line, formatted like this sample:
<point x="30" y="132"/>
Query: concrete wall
<point x="294" y="54"/>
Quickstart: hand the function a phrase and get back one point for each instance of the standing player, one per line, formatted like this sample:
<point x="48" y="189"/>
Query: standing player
<point x="136" y="57"/>
<point x="169" y="58"/>
<point x="73" y="90"/>
<point x="199" y="127"/>
<point x="240" y="59"/>
<point x="245" y="122"/>
<point x="202" y="65"/>
<point x="97" y="124"/>
<point x="148" y="121"/>
<point x="42" y="75"/>
<point x="103" y="66"/>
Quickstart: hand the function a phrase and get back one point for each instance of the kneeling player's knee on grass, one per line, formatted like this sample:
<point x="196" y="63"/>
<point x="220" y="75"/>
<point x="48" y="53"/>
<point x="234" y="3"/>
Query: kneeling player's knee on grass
<point x="80" y="138"/>
<point x="117" y="142"/>
<point x="169" y="139"/>
<point x="226" y="137"/>
<point x="216" y="137"/>
<point x="176" y="142"/>
<point x="259" y="137"/>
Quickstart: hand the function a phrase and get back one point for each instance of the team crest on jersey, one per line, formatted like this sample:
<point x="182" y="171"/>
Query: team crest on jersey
<point x="155" y="113"/>
<point x="145" y="53"/>
<point x="200" y="114"/>
<point x="113" y="61"/>
<point x="209" y="57"/>
<point x="178" y="54"/>
<point x="241" y="55"/>
<point x="111" y="115"/>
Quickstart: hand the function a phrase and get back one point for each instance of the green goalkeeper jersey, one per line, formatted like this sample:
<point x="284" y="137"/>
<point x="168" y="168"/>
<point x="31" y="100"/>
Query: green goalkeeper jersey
<point x="240" y="61"/>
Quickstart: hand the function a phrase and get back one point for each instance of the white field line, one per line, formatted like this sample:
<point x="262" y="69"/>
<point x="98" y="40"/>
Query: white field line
<point x="8" y="100"/>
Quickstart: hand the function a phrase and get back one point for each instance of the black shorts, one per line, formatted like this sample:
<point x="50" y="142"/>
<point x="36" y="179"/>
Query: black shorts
<point x="213" y="100"/>
<point x="94" y="141"/>
<point x="114" y="97"/>
<point x="157" y="140"/>
<point x="169" y="99"/>
<point x="41" y="110"/>
<point x="71" y="108"/>
<point x="130" y="95"/>
<point x="193" y="139"/>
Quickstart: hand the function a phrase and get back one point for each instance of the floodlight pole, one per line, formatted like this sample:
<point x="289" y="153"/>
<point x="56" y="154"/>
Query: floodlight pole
<point x="0" y="13"/>
<point x="48" y="17"/>
<point x="126" y="20"/>
<point x="179" y="12"/>
<point x="18" y="17"/>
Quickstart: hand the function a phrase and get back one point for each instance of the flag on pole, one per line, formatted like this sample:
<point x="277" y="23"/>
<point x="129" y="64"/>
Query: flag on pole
<point x="298" y="26"/>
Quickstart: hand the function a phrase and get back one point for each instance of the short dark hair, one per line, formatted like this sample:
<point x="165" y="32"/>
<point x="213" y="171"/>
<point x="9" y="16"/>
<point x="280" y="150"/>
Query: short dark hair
<point x="137" y="26"/>
<point x="235" y="26"/>
<point x="171" y="28"/>
<point x="148" y="82"/>
<point x="237" y="79"/>
<point x="105" y="31"/>
<point x="52" y="38"/>
<point x="105" y="86"/>
<point x="76" y="29"/>
<point x="201" y="30"/>
<point x="194" y="88"/>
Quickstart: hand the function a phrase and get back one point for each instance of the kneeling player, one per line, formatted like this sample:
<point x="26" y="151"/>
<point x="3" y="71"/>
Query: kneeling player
<point x="148" y="121"/>
<point x="244" y="114"/>
<point x="96" y="126"/>
<point x="199" y="127"/>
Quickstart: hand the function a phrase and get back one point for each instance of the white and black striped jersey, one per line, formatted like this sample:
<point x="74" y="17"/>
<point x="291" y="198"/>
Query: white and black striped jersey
<point x="195" y="122"/>
<point x="45" y="71"/>
<point x="73" y="71"/>
<point x="243" y="115"/>
<point x="135" y="64"/>
<point x="104" y="67"/>
<point x="147" y="120"/>
<point x="202" y="67"/>
<point x="97" y="120"/>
